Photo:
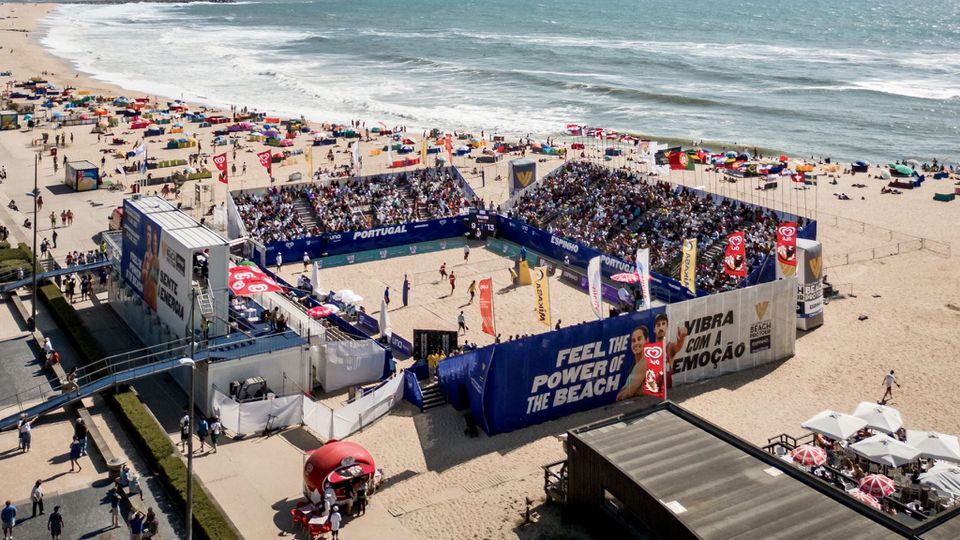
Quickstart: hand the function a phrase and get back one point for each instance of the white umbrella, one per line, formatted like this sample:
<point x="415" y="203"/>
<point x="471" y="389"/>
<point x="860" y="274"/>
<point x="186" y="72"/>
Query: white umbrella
<point x="944" y="478"/>
<point x="886" y="450"/>
<point x="935" y="445"/>
<point x="348" y="296"/>
<point x="385" y="328"/>
<point x="835" y="425"/>
<point x="879" y="417"/>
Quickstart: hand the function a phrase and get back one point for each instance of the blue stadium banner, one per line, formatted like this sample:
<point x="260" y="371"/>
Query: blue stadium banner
<point x="368" y="323"/>
<point x="401" y="344"/>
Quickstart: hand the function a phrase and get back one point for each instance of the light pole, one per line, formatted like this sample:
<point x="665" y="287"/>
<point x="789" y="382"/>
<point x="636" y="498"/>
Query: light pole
<point x="193" y="372"/>
<point x="33" y="272"/>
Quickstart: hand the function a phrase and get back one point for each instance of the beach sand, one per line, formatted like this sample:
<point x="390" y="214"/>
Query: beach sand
<point x="443" y="484"/>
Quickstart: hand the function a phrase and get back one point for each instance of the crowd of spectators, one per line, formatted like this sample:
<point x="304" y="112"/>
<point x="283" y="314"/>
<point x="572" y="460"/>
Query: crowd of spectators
<point x="618" y="211"/>
<point x="353" y="204"/>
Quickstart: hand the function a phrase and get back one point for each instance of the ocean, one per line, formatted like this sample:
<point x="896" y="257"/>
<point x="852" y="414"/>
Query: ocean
<point x="877" y="80"/>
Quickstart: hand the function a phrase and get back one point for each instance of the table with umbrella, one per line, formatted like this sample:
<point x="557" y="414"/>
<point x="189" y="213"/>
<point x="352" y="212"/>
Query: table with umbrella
<point x="836" y="425"/>
<point x="879" y="417"/>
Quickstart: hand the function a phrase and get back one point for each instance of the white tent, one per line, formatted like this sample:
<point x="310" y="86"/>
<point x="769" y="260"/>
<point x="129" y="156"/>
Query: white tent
<point x="935" y="445"/>
<point x="835" y="425"/>
<point x="945" y="478"/>
<point x="886" y="450"/>
<point x="879" y="417"/>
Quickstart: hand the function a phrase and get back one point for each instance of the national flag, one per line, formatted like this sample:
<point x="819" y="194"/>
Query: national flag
<point x="688" y="265"/>
<point x="139" y="150"/>
<point x="654" y="356"/>
<point x="787" y="247"/>
<point x="735" y="256"/>
<point x="575" y="129"/>
<point x="643" y="270"/>
<point x="486" y="307"/>
<point x="612" y="135"/>
<point x="266" y="159"/>
<point x="809" y="179"/>
<point x="143" y="167"/>
<point x="220" y="161"/>
<point x="680" y="161"/>
<point x="594" y="287"/>
<point x="797" y="178"/>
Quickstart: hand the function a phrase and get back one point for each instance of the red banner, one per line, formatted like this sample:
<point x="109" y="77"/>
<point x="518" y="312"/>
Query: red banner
<point x="486" y="307"/>
<point x="448" y="144"/>
<point x="653" y="355"/>
<point x="266" y="160"/>
<point x="220" y="161"/>
<point x="247" y="280"/>
<point x="787" y="247"/>
<point x="735" y="257"/>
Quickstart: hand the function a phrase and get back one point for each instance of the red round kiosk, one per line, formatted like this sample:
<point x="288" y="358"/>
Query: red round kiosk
<point x="337" y="464"/>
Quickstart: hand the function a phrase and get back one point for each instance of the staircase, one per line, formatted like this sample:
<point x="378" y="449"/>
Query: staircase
<point x="432" y="396"/>
<point x="307" y="216"/>
<point x="205" y="300"/>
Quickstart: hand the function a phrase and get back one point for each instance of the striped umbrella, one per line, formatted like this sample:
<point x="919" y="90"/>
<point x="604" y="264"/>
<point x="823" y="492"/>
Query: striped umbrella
<point x="808" y="455"/>
<point x="877" y="485"/>
<point x="865" y="498"/>
<point x="631" y="277"/>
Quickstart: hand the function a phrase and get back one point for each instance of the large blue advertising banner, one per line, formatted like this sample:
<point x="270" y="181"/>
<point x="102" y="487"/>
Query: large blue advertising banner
<point x="541" y="378"/>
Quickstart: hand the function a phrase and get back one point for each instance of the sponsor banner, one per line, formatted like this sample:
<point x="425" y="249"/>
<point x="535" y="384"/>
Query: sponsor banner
<point x="787" y="248"/>
<point x="266" y="159"/>
<point x="653" y="383"/>
<point x="400" y="344"/>
<point x="735" y="256"/>
<point x="809" y="282"/>
<point x="248" y="280"/>
<point x="688" y="265"/>
<point x="368" y="322"/>
<point x="541" y="293"/>
<point x="594" y="286"/>
<point x="810" y="299"/>
<point x="135" y="253"/>
<point x="522" y="173"/>
<point x="643" y="270"/>
<point x="728" y="332"/>
<point x="487" y="324"/>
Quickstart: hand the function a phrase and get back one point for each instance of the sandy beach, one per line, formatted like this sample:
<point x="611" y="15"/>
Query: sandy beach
<point x="893" y="257"/>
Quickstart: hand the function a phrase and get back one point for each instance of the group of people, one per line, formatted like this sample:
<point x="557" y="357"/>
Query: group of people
<point x="618" y="211"/>
<point x="206" y="427"/>
<point x="354" y="204"/>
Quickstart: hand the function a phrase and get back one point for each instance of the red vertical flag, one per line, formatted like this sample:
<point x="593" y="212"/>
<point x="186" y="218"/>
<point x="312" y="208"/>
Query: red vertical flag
<point x="448" y="144"/>
<point x="787" y="247"/>
<point x="220" y="160"/>
<point x="654" y="357"/>
<point x="486" y="307"/>
<point x="266" y="160"/>
<point x="735" y="257"/>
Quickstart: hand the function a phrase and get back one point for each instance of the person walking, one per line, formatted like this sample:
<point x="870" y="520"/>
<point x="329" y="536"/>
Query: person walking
<point x="472" y="289"/>
<point x="8" y="516"/>
<point x="386" y="296"/>
<point x="306" y="262"/>
<point x="406" y="290"/>
<point x="279" y="261"/>
<point x="80" y="432"/>
<point x="113" y="497"/>
<point x="888" y="382"/>
<point x="466" y="252"/>
<point x="55" y="523"/>
<point x="462" y="323"/>
<point x="453" y="282"/>
<point x="185" y="431"/>
<point x="203" y="428"/>
<point x="216" y="429"/>
<point x="443" y="270"/>
<point x="335" y="520"/>
<point x="36" y="497"/>
<point x="54" y="238"/>
<point x="137" y="520"/>
<point x="75" y="455"/>
<point x="53" y="219"/>
<point x="362" y="499"/>
<point x="26" y="428"/>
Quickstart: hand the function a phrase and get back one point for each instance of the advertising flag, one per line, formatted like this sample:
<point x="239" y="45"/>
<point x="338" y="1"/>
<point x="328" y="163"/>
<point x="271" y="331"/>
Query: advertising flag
<point x="680" y="161"/>
<point x="595" y="286"/>
<point x="688" y="265"/>
<point x="787" y="248"/>
<point x="220" y="161"/>
<point x="448" y="145"/>
<point x="541" y="291"/>
<point x="423" y="151"/>
<point x="735" y="256"/>
<point x="643" y="270"/>
<point x="486" y="307"/>
<point x="356" y="157"/>
<point x="247" y="280"/>
<point x="653" y="355"/>
<point x="266" y="160"/>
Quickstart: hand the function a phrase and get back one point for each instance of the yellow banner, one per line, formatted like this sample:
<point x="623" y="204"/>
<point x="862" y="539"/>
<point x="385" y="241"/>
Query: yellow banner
<point x="541" y="294"/>
<point x="688" y="266"/>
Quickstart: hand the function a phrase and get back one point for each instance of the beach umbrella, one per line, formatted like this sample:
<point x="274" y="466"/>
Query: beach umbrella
<point x="879" y="417"/>
<point x="318" y="312"/>
<point x="835" y="425"/>
<point x="783" y="158"/>
<point x="903" y="169"/>
<point x="935" y="445"/>
<point x="627" y="277"/>
<point x="348" y="296"/>
<point x="877" y="485"/>
<point x="862" y="163"/>
<point x="865" y="498"/>
<point x="808" y="455"/>
<point x="944" y="478"/>
<point x="886" y="450"/>
<point x="885" y="174"/>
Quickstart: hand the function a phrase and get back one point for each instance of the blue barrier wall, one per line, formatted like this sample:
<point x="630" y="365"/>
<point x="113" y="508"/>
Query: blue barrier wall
<point x="411" y="389"/>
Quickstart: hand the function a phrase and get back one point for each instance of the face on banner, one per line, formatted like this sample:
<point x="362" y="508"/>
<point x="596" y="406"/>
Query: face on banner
<point x="787" y="247"/>
<point x="735" y="257"/>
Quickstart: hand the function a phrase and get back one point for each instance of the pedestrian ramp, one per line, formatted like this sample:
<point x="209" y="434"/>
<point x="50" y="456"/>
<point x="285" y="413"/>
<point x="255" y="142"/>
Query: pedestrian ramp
<point x="7" y="287"/>
<point x="93" y="387"/>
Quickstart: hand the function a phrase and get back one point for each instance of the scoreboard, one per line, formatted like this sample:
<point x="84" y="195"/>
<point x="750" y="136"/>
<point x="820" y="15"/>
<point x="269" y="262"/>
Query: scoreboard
<point x="481" y="223"/>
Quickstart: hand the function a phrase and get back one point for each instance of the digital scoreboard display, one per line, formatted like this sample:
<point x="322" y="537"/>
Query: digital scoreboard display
<point x="482" y="223"/>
